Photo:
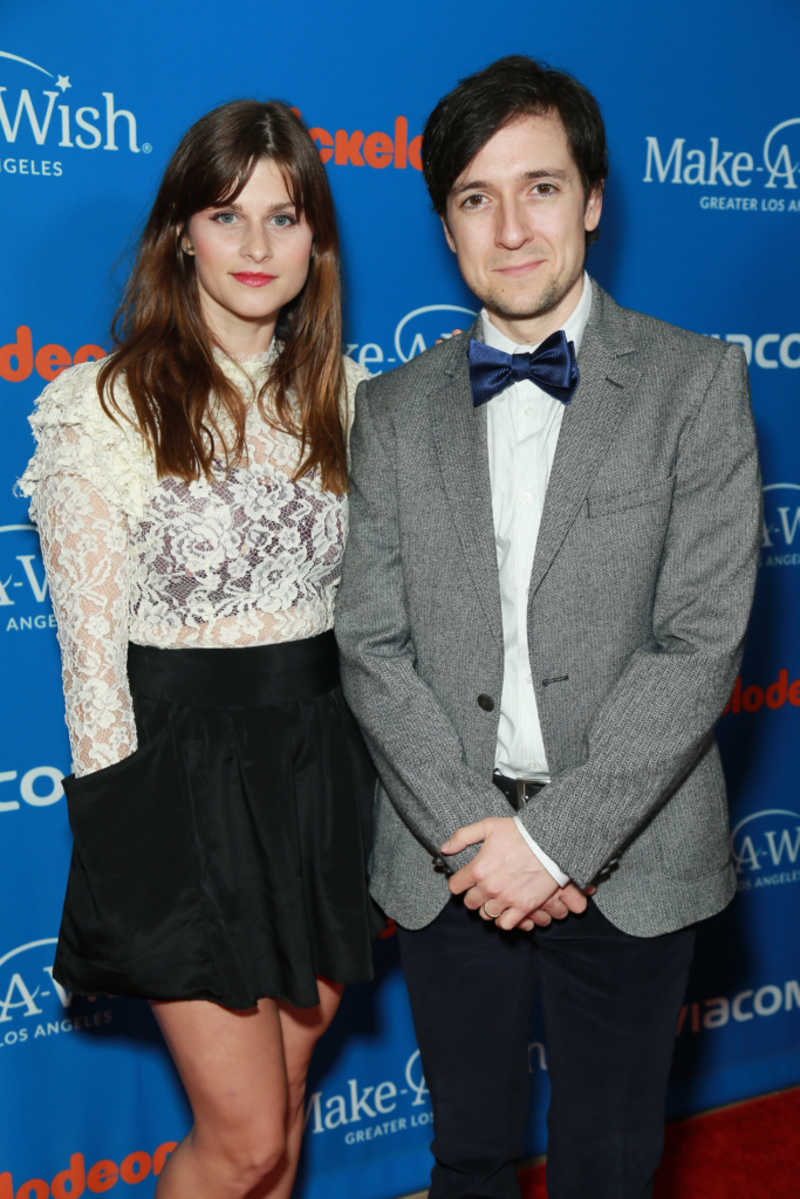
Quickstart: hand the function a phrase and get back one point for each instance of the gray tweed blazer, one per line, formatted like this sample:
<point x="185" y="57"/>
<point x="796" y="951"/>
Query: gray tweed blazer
<point x="639" y="598"/>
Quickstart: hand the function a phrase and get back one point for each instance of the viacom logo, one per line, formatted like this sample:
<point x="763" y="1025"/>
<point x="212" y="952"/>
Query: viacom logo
<point x="768" y="1000"/>
<point x="416" y="332"/>
<point x="39" y="113"/>
<point x="737" y="170"/>
<point x="771" y="349"/>
<point x="765" y="848"/>
<point x="24" y="603"/>
<point x="781" y="525"/>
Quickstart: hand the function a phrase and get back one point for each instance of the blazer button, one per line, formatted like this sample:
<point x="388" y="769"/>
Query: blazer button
<point x="486" y="702"/>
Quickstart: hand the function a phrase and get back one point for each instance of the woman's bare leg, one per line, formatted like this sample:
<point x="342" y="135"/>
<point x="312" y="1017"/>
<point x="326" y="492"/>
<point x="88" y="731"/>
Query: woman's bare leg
<point x="232" y="1066"/>
<point x="301" y="1030"/>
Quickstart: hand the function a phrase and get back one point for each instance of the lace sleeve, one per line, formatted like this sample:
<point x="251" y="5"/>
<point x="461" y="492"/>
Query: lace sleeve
<point x="85" y="548"/>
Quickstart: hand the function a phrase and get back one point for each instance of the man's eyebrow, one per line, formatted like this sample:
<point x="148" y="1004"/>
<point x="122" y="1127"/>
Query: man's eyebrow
<point x="526" y="177"/>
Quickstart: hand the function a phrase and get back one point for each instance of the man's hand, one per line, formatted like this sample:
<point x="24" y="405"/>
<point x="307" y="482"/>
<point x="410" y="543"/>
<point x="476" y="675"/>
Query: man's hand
<point x="507" y="876"/>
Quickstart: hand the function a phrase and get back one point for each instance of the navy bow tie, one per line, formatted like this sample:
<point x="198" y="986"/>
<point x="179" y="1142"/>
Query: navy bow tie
<point x="553" y="367"/>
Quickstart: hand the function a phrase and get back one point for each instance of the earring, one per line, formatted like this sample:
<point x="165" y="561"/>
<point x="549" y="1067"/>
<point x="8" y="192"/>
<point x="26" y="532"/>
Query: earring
<point x="188" y="249"/>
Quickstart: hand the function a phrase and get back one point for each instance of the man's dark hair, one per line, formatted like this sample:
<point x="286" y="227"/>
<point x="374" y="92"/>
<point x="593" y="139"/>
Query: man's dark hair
<point x="464" y="120"/>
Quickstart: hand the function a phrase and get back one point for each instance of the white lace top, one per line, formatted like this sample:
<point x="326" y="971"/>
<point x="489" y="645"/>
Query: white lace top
<point x="248" y="559"/>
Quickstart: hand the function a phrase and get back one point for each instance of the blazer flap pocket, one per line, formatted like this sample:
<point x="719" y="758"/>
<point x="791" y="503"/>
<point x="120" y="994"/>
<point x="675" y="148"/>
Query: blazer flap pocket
<point x="600" y="505"/>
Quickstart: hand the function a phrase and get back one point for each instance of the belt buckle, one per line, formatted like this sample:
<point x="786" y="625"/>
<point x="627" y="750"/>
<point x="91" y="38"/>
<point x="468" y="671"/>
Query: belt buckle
<point x="522" y="797"/>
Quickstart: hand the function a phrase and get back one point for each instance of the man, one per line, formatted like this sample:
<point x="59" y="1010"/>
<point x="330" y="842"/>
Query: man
<point x="549" y="574"/>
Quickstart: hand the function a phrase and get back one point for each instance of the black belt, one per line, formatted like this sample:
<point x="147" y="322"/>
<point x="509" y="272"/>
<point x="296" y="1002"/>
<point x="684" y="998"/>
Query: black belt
<point x="517" y="791"/>
<point x="247" y="676"/>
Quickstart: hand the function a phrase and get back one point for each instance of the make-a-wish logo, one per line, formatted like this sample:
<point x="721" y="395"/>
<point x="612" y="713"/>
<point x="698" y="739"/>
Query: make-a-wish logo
<point x="780" y="541"/>
<point x="27" y="989"/>
<point x="36" y="112"/>
<point x="765" y="848"/>
<point x="33" y="1005"/>
<point x="24" y="601"/>
<point x="414" y="333"/>
<point x="775" y="165"/>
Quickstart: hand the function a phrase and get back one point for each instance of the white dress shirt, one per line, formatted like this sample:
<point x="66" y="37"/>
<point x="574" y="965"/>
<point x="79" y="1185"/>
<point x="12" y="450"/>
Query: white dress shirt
<point x="523" y="427"/>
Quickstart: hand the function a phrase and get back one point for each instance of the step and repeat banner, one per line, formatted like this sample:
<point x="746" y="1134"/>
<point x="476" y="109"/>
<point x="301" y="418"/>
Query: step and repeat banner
<point x="701" y="227"/>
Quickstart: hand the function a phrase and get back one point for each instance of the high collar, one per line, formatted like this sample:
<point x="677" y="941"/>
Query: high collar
<point x="252" y="366"/>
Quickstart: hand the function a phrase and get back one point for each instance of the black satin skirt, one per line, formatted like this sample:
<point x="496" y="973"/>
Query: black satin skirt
<point x="226" y="858"/>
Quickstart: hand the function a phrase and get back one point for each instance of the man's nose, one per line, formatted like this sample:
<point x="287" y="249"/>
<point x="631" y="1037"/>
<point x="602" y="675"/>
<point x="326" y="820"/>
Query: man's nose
<point x="513" y="226"/>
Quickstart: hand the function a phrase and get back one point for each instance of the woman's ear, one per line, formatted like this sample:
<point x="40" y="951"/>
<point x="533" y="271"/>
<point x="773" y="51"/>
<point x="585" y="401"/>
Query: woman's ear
<point x="185" y="241"/>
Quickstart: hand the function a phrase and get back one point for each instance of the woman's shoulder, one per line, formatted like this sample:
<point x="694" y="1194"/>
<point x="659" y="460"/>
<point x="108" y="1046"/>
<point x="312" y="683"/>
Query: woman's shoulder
<point x="353" y="375"/>
<point x="73" y="401"/>
<point x="75" y="435"/>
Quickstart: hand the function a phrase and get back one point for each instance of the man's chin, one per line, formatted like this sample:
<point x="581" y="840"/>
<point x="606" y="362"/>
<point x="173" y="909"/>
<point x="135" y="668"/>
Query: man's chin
<point x="529" y="307"/>
<point x="524" y="308"/>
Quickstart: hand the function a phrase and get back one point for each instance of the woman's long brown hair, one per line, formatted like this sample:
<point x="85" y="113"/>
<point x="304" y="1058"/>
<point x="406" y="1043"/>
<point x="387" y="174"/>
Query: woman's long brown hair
<point x="164" y="349"/>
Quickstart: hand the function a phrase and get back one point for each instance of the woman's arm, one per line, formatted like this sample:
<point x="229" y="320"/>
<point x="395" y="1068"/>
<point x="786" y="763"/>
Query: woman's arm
<point x="85" y="548"/>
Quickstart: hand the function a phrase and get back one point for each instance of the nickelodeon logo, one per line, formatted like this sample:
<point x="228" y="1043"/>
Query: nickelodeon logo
<point x="102" y="1176"/>
<point x="376" y="150"/>
<point x="751" y="698"/>
<point x="18" y="360"/>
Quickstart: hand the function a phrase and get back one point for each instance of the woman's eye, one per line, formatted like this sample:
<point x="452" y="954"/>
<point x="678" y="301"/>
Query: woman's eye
<point x="225" y="218"/>
<point x="283" y="220"/>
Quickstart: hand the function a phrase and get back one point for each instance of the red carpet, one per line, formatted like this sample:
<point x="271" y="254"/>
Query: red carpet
<point x="749" y="1151"/>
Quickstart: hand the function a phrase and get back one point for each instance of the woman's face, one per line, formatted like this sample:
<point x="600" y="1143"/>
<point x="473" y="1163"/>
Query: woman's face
<point x="252" y="258"/>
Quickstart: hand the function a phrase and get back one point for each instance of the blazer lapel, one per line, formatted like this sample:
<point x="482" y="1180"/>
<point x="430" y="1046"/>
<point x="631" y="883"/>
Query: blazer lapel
<point x="459" y="432"/>
<point x="608" y="371"/>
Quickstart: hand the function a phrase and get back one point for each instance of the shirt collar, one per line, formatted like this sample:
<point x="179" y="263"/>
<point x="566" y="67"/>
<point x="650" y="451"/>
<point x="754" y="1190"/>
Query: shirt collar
<point x="574" y="325"/>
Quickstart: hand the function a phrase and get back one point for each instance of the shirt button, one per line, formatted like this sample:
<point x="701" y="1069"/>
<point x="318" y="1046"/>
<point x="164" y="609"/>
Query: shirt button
<point x="527" y="497"/>
<point x="529" y="678"/>
<point x="486" y="702"/>
<point x="530" y="411"/>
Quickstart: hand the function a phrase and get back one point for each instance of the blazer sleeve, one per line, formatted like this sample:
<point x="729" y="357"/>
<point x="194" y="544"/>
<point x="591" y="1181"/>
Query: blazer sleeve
<point x="658" y="719"/>
<point x="415" y="747"/>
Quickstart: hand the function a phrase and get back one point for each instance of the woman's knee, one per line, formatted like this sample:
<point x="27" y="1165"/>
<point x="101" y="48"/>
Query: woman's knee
<point x="251" y="1156"/>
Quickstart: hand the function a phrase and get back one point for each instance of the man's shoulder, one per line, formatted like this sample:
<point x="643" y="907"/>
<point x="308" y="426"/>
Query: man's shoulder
<point x="422" y="373"/>
<point x="656" y="338"/>
<point x="653" y="332"/>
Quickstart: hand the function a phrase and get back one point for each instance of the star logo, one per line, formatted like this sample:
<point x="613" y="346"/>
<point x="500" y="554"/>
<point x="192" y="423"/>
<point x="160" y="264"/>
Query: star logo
<point x="63" y="82"/>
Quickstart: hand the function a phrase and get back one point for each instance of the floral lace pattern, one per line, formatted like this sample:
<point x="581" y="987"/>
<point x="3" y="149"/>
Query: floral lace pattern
<point x="250" y="558"/>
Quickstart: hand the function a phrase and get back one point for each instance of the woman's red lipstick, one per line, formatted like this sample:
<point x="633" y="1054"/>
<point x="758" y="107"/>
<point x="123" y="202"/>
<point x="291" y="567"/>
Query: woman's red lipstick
<point x="253" y="278"/>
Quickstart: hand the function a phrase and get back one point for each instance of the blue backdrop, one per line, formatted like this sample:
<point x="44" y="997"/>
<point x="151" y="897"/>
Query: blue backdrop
<point x="700" y="227"/>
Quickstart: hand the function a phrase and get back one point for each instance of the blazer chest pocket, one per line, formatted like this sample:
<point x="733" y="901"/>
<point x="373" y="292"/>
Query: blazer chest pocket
<point x="658" y="493"/>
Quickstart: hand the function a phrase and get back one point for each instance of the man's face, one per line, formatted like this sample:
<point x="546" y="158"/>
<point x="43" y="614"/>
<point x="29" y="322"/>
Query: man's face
<point x="516" y="219"/>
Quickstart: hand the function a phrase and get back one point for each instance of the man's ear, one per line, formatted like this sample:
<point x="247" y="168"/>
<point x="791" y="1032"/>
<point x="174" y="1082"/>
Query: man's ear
<point x="448" y="235"/>
<point x="594" y="206"/>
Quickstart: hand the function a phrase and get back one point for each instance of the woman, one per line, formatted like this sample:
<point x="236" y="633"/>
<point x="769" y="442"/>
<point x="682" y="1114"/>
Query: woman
<point x="190" y="496"/>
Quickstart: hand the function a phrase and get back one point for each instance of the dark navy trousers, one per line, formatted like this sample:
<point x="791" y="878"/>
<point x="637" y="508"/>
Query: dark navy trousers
<point x="611" y="1004"/>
